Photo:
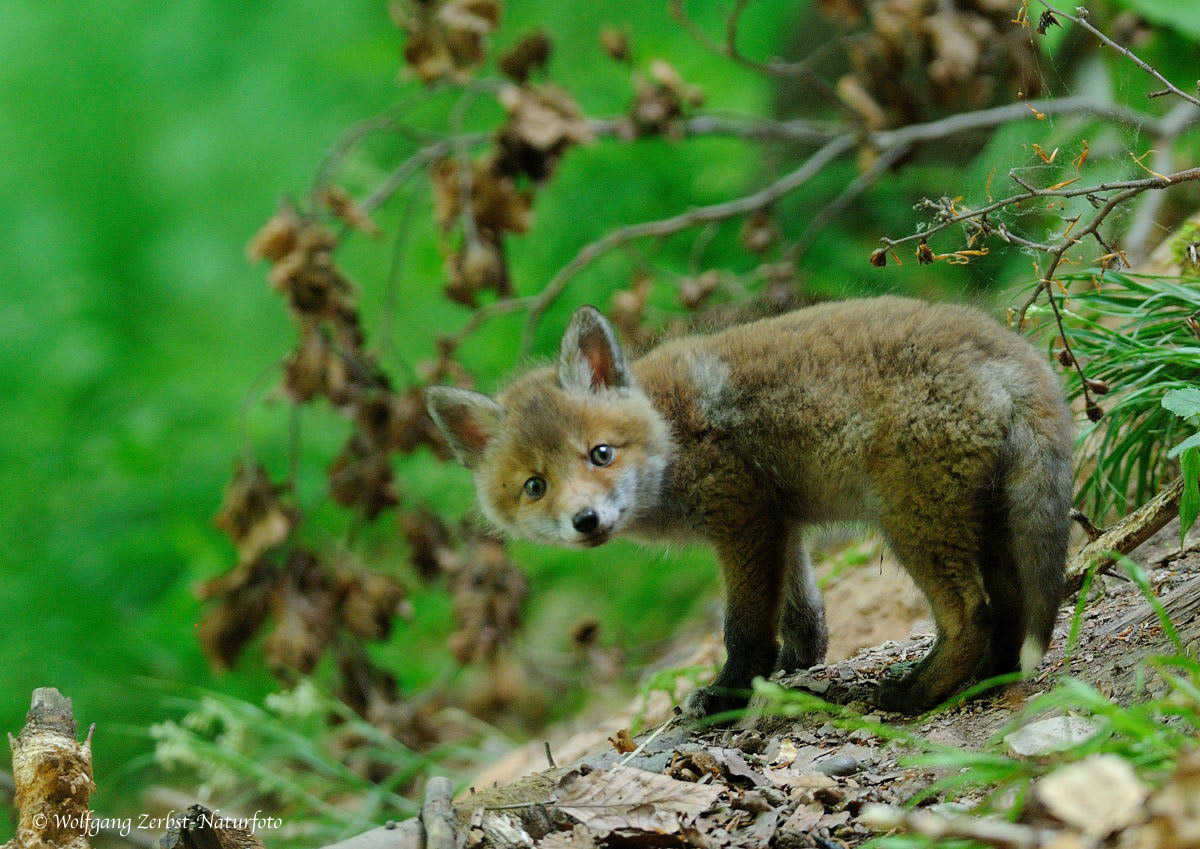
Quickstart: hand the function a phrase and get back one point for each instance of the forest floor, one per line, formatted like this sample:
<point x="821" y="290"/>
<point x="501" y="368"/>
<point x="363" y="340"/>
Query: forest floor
<point x="808" y="779"/>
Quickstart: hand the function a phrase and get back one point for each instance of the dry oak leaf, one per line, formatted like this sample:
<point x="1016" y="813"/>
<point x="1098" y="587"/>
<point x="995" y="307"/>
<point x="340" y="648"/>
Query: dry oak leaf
<point x="626" y="801"/>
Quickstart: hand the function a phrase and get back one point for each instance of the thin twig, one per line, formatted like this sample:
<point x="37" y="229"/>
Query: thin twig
<point x="1082" y="20"/>
<point x="773" y="67"/>
<point x="1171" y="127"/>
<point x="848" y="195"/>
<point x="1187" y="175"/>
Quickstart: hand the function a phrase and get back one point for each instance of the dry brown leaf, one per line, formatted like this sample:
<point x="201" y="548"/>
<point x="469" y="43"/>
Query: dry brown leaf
<point x="230" y="624"/>
<point x="339" y="202"/>
<point x="487" y="591"/>
<point x="277" y="238"/>
<point x="496" y="202"/>
<point x="430" y="546"/>
<point x="628" y="801"/>
<point x="577" y="838"/>
<point x="529" y="54"/>
<point x="252" y="514"/>
<point x="362" y="476"/>
<point x="302" y="605"/>
<point x="368" y="603"/>
<point x="1097" y="795"/>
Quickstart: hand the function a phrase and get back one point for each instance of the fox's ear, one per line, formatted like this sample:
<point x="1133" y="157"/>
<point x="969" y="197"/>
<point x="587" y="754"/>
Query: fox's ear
<point x="467" y="419"/>
<point x="591" y="359"/>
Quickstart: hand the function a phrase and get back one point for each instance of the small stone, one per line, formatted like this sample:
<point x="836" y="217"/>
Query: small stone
<point x="1050" y="735"/>
<point x="838" y="765"/>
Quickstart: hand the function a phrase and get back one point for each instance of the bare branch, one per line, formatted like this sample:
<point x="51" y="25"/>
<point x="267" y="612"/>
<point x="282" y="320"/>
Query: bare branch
<point x="666" y="226"/>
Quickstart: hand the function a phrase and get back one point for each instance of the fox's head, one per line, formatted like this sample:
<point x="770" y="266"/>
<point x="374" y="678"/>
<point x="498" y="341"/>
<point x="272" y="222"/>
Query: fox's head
<point x="568" y="456"/>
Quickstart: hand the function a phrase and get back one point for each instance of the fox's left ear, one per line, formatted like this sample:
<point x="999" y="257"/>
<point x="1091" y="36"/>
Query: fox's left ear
<point x="591" y="358"/>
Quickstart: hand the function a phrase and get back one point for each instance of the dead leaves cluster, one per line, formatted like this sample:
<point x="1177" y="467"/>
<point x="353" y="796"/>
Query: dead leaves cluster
<point x="488" y="591"/>
<point x="308" y="601"/>
<point x="660" y="99"/>
<point x="331" y="360"/>
<point x="962" y="53"/>
<point x="708" y="796"/>
<point x="483" y="197"/>
<point x="447" y="39"/>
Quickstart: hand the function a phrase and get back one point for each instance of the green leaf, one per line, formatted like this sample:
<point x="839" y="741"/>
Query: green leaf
<point x="1192" y="441"/>
<point x="1177" y="14"/>
<point x="1184" y="403"/>
<point x="1189" y="502"/>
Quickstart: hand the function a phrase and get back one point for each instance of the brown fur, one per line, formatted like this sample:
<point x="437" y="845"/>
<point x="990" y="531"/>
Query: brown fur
<point x="933" y="422"/>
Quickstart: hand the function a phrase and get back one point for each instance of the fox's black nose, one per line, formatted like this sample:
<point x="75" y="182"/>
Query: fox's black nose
<point x="585" y="521"/>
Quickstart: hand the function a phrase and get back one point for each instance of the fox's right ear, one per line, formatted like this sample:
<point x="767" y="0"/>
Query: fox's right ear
<point x="468" y="420"/>
<point x="591" y="358"/>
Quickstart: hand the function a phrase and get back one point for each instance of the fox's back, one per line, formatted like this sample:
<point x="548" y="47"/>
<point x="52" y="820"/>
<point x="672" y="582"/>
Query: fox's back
<point x="827" y="399"/>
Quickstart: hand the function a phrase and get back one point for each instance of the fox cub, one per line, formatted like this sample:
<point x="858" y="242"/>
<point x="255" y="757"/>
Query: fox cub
<point x="937" y="425"/>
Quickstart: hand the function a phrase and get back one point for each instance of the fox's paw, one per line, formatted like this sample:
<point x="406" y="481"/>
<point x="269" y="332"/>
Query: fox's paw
<point x="711" y="701"/>
<point x="793" y="659"/>
<point x="901" y="694"/>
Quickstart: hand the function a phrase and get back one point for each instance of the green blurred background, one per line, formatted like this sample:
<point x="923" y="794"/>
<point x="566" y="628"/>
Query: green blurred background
<point x="142" y="144"/>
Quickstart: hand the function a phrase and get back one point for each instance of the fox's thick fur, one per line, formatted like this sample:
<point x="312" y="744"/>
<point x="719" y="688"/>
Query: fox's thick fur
<point x="934" y="423"/>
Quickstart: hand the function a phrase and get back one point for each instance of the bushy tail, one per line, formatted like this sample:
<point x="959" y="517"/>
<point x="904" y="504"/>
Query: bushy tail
<point x="1036" y="487"/>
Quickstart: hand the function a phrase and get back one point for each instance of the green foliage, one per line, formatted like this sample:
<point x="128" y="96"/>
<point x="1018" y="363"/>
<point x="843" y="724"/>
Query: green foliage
<point x="1132" y="333"/>
<point x="304" y="757"/>
<point x="1185" y="403"/>
<point x="1176" y="14"/>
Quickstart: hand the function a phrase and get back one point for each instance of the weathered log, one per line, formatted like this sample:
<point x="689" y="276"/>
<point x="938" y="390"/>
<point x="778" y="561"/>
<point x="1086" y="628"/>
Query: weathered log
<point x="52" y="777"/>
<point x="1126" y="535"/>
<point x="437" y="814"/>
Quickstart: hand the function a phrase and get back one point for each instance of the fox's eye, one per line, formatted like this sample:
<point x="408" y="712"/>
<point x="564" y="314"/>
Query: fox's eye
<point x="602" y="454"/>
<point x="535" y="487"/>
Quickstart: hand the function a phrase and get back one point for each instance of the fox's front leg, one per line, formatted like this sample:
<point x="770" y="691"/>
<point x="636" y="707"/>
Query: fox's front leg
<point x="753" y="561"/>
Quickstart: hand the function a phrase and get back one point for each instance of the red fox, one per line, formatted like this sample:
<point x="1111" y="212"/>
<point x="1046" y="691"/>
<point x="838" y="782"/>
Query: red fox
<point x="934" y="423"/>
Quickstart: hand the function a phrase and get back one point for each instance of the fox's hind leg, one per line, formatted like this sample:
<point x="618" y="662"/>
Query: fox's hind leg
<point x="939" y="552"/>
<point x="802" y="625"/>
